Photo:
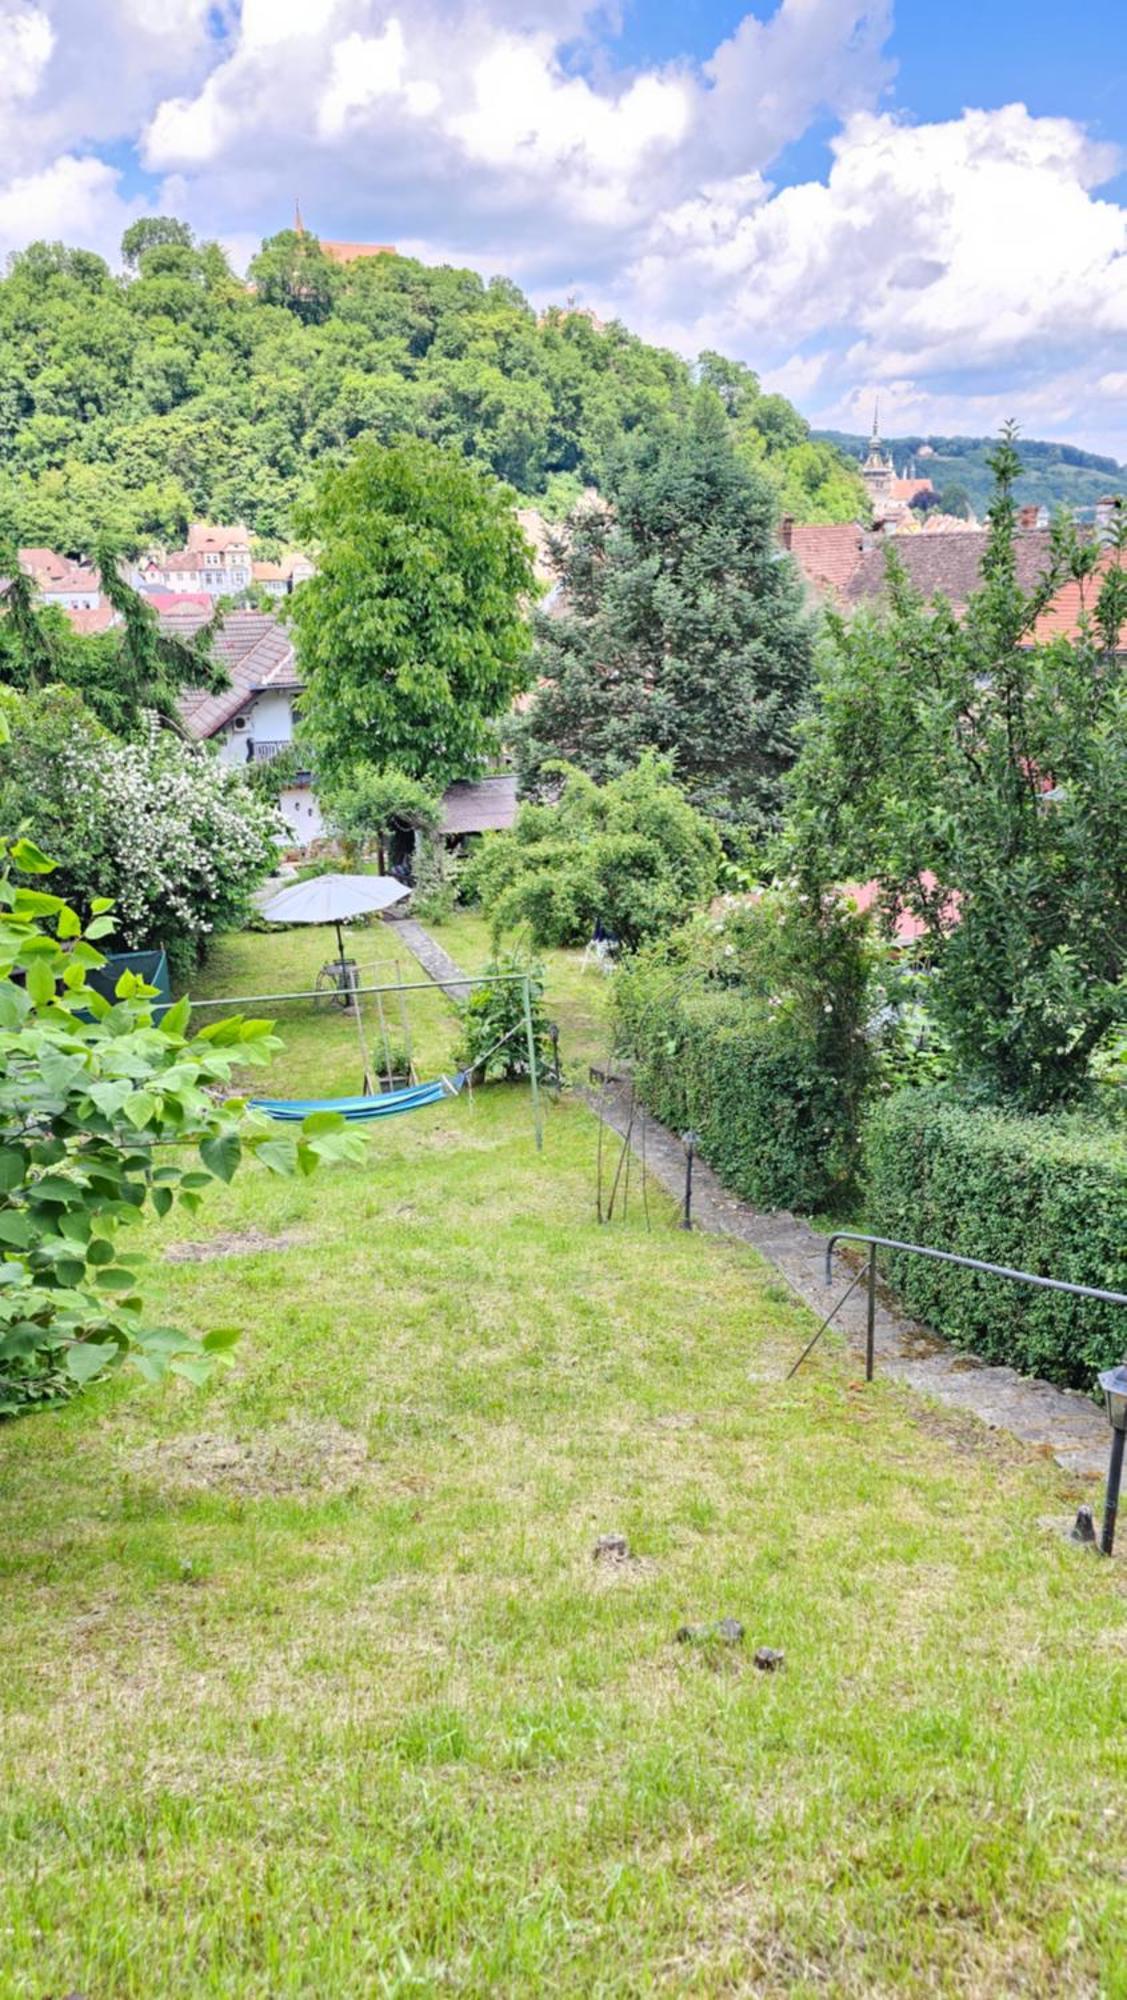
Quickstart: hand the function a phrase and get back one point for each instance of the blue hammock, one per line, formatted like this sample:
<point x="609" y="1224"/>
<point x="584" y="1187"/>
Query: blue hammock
<point x="355" y="1109"/>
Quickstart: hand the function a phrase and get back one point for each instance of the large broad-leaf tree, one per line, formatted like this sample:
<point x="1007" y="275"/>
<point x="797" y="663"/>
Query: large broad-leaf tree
<point x="976" y="766"/>
<point x="413" y="635"/>
<point x="680" y="629"/>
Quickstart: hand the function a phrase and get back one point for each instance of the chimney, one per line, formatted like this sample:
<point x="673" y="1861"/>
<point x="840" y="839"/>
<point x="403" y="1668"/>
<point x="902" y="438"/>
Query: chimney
<point x="1027" y="517"/>
<point x="786" y="531"/>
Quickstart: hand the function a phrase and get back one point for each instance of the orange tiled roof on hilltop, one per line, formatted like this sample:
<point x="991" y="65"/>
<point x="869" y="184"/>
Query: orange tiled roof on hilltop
<point x="351" y="253"/>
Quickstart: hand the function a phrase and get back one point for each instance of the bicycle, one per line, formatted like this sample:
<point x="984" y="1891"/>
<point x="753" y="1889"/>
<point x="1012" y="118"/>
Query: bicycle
<point x="336" y="983"/>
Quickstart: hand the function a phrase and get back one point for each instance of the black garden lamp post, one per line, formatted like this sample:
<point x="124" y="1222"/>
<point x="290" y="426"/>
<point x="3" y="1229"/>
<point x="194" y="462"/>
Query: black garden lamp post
<point x="690" y="1142"/>
<point x="1113" y="1382"/>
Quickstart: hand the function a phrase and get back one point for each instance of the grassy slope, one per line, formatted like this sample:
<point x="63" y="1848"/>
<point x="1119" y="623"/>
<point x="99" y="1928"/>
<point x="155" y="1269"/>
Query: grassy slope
<point x="406" y="1737"/>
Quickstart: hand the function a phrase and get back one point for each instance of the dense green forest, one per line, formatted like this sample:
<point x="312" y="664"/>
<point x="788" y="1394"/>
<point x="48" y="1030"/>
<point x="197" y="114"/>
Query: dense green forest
<point x="133" y="402"/>
<point x="1052" y="475"/>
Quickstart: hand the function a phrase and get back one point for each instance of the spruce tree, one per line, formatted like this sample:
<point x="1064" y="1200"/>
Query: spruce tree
<point x="682" y="630"/>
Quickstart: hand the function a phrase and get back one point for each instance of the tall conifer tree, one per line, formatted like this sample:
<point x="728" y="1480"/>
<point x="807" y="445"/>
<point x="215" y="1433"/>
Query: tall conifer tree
<point x="682" y="629"/>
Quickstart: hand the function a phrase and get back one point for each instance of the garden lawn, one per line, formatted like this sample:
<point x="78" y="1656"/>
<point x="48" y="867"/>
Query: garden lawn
<point x="311" y="1685"/>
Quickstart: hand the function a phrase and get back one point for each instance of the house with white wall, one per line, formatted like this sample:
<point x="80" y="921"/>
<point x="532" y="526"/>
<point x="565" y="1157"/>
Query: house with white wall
<point x="215" y="559"/>
<point x="279" y="579"/>
<point x="69" y="586"/>
<point x="254" y="720"/>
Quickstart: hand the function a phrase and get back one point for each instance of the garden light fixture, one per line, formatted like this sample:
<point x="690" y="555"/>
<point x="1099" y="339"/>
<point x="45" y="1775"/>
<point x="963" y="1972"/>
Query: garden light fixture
<point x="690" y="1141"/>
<point x="1113" y="1382"/>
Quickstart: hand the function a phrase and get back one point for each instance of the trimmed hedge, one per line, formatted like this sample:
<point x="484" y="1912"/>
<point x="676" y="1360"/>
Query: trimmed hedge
<point x="768" y="1113"/>
<point x="1042" y="1194"/>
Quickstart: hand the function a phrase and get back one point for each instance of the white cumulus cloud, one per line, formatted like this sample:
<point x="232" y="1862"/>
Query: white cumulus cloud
<point x="979" y="244"/>
<point x="26" y="41"/>
<point x="974" y="263"/>
<point x="72" y="201"/>
<point x="367" y="69"/>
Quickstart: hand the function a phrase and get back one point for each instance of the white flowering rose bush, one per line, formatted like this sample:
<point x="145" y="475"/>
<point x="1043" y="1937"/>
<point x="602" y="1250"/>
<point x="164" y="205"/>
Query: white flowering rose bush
<point x="177" y="839"/>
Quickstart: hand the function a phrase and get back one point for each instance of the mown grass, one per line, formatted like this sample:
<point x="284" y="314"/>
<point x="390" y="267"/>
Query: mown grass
<point x="358" y="1713"/>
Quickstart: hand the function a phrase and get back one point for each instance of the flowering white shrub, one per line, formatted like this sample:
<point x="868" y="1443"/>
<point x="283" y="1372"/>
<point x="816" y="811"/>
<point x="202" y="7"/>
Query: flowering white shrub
<point x="178" y="839"/>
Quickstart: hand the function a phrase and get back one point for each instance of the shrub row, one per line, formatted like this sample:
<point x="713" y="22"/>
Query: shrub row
<point x="768" y="1112"/>
<point x="1047" y="1195"/>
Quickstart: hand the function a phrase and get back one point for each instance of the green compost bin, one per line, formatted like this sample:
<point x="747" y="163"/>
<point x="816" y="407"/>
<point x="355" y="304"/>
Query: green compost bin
<point x="151" y="966"/>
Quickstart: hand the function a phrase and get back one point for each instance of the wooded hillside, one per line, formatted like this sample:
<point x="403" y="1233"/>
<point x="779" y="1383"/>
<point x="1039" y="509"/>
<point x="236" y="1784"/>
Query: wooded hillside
<point x="133" y="402"/>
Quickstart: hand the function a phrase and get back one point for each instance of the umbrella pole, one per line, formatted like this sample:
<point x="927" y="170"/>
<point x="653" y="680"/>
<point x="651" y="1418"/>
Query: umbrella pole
<point x="352" y="1000"/>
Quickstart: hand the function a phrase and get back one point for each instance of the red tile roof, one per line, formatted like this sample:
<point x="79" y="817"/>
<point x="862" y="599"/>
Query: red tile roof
<point x="178" y="561"/>
<point x="257" y="652"/>
<point x="52" y="572"/>
<point x="826" y="554"/>
<point x="1075" y="602"/>
<point x="906" y="490"/>
<point x="948" y="563"/>
<point x="203" y="536"/>
<point x="88" y="623"/>
<point x="952" y="564"/>
<point x="180" y="600"/>
<point x="349" y="253"/>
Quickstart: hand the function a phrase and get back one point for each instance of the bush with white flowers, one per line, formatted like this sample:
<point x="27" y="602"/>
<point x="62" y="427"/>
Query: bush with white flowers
<point x="178" y="839"/>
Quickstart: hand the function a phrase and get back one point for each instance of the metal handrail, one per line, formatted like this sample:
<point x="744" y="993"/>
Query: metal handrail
<point x="1081" y="1532"/>
<point x="876" y="1243"/>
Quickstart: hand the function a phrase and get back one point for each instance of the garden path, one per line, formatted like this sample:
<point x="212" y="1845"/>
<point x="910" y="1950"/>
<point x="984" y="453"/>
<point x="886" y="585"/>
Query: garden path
<point x="1061" y="1422"/>
<point x="436" y="963"/>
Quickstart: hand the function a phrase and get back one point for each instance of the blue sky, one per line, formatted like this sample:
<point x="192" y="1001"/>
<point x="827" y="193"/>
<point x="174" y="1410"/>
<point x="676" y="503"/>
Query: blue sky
<point x="962" y="52"/>
<point x="925" y="201"/>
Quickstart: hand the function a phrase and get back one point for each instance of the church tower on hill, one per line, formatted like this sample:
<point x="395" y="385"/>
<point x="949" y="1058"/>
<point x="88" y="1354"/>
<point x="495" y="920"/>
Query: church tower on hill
<point x="878" y="473"/>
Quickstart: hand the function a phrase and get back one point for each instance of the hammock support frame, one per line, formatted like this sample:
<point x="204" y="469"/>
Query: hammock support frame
<point x="441" y="1087"/>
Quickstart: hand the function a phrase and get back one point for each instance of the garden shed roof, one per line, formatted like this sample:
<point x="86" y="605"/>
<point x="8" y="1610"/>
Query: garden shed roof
<point x="481" y="805"/>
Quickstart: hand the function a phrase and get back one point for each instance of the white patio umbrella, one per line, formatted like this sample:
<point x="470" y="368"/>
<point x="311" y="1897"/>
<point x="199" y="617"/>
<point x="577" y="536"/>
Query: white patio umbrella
<point x="333" y="899"/>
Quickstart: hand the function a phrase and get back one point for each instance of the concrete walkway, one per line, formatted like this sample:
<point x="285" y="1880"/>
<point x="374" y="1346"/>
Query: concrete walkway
<point x="1059" y="1421"/>
<point x="1069" y="1426"/>
<point x="436" y="963"/>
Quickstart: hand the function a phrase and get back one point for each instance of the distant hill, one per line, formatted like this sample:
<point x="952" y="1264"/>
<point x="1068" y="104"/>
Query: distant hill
<point x="1055" y="475"/>
<point x="132" y="404"/>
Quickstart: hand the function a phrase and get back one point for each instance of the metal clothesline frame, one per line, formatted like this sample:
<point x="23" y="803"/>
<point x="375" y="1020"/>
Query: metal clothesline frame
<point x="237" y="1001"/>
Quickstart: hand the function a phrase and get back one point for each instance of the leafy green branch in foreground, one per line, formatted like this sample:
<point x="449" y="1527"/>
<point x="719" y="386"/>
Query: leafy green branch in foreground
<point x="104" y="1112"/>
